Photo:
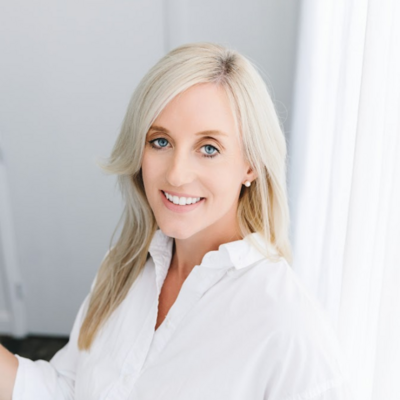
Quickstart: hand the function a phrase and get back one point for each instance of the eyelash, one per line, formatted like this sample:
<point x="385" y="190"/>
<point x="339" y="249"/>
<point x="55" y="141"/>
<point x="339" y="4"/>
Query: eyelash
<point x="204" y="155"/>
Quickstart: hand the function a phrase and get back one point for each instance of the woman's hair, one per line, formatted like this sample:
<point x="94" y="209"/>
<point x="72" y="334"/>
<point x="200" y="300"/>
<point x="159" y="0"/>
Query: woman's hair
<point x="262" y="207"/>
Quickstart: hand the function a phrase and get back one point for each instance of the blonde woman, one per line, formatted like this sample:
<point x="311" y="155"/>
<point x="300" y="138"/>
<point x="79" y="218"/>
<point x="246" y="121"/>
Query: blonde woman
<point x="196" y="300"/>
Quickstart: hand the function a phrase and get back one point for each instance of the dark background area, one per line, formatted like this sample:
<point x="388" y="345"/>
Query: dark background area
<point x="34" y="347"/>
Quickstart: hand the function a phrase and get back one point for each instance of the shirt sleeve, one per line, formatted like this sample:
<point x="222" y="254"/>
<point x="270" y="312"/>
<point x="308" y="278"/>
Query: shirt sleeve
<point x="54" y="379"/>
<point x="305" y="358"/>
<point x="309" y="366"/>
<point x="333" y="390"/>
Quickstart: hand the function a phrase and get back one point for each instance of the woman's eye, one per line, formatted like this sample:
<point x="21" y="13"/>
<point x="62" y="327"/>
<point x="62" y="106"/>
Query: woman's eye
<point x="212" y="148"/>
<point x="162" y="143"/>
<point x="160" y="139"/>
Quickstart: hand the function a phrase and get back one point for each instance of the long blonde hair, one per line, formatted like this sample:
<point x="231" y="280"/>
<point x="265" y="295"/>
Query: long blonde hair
<point x="262" y="207"/>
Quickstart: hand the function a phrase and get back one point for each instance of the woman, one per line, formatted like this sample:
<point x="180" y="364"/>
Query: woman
<point x="196" y="300"/>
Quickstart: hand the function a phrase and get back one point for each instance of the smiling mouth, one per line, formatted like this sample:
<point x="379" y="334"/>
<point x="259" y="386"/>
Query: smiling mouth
<point x="192" y="197"/>
<point x="197" y="199"/>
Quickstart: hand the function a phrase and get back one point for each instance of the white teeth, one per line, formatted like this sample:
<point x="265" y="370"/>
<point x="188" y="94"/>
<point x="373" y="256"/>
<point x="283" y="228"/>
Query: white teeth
<point x="181" y="200"/>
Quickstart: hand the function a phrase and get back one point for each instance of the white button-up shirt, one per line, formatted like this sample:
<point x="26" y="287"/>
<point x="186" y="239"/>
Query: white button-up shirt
<point x="241" y="328"/>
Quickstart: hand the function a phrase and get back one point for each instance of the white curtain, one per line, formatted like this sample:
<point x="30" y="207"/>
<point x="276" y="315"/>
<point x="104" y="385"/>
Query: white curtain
<point x="344" y="180"/>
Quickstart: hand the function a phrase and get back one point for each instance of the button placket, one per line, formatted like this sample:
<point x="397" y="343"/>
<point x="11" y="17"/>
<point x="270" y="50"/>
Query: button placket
<point x="199" y="281"/>
<point x="134" y="360"/>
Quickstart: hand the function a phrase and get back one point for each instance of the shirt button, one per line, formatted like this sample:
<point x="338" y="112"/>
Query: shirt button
<point x="167" y="323"/>
<point x="231" y="271"/>
<point x="126" y="378"/>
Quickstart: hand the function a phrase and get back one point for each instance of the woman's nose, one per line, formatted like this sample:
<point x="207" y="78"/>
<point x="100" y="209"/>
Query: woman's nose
<point x="180" y="170"/>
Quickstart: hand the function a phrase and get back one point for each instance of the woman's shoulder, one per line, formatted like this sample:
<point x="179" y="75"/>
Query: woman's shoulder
<point x="301" y="337"/>
<point x="286" y="301"/>
<point x="298" y="317"/>
<point x="281" y="285"/>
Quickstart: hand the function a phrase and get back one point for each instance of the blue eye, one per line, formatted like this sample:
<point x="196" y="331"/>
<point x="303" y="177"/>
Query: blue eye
<point x="212" y="148"/>
<point x="163" y="140"/>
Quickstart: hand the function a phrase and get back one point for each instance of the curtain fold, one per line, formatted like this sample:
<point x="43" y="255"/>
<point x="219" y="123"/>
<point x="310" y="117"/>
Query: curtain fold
<point x="344" y="180"/>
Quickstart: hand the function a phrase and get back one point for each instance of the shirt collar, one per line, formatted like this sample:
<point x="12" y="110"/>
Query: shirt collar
<point x="238" y="254"/>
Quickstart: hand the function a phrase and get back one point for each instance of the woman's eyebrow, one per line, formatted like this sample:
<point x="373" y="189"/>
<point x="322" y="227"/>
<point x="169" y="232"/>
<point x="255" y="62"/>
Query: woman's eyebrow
<point x="202" y="133"/>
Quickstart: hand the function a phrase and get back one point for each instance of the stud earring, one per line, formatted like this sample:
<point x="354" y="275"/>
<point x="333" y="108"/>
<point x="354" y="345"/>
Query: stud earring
<point x="247" y="183"/>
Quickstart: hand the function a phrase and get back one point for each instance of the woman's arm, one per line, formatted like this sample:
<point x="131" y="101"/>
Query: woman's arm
<point x="24" y="379"/>
<point x="54" y="379"/>
<point x="8" y="373"/>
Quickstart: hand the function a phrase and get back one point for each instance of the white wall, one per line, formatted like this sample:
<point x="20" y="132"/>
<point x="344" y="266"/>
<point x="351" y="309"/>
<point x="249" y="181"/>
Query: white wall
<point x="265" y="31"/>
<point x="68" y="70"/>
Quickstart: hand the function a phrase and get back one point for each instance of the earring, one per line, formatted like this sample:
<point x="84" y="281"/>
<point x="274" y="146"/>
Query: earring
<point x="247" y="183"/>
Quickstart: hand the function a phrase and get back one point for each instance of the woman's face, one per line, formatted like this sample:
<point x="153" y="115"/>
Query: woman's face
<point x="182" y="159"/>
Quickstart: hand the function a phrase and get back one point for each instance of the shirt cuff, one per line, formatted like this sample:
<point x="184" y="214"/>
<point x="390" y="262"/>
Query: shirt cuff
<point x="18" y="391"/>
<point x="36" y="380"/>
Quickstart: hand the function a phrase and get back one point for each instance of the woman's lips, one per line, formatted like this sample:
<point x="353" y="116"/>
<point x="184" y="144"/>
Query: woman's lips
<point x="178" y="208"/>
<point x="181" y="194"/>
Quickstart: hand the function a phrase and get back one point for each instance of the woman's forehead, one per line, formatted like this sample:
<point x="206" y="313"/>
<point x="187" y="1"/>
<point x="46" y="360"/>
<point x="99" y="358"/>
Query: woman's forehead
<point x="201" y="110"/>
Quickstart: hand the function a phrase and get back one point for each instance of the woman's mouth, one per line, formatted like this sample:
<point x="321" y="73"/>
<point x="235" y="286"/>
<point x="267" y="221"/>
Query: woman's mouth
<point x="181" y="204"/>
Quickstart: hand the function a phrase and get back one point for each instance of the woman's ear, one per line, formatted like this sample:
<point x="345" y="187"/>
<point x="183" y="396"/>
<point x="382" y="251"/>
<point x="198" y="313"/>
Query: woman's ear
<point x="251" y="174"/>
